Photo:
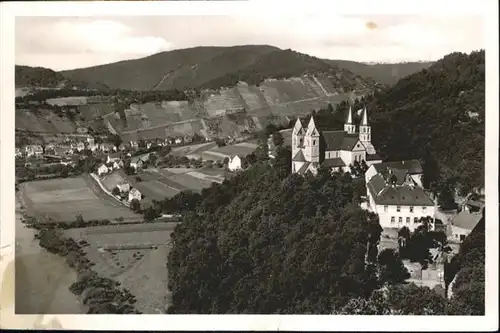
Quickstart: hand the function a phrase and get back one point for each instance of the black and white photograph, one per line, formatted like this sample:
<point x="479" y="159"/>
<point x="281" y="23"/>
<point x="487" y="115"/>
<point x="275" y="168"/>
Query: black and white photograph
<point x="301" y="164"/>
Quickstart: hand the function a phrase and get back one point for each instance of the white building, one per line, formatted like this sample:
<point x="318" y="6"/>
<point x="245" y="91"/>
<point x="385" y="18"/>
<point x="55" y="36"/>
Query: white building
<point x="134" y="194"/>
<point x="102" y="170"/>
<point x="234" y="163"/>
<point x="397" y="199"/>
<point x="33" y="151"/>
<point x="124" y="187"/>
<point x="337" y="150"/>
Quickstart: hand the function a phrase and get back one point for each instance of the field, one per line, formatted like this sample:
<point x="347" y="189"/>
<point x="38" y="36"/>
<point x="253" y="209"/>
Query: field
<point x="209" y="151"/>
<point x="63" y="199"/>
<point x="134" y="255"/>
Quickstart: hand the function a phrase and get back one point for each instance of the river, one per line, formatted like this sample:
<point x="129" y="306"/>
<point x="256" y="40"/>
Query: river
<point x="42" y="278"/>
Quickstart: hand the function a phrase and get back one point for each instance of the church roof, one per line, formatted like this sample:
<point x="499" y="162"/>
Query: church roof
<point x="299" y="157"/>
<point x="401" y="195"/>
<point x="373" y="157"/>
<point x="304" y="167"/>
<point x="349" y="117"/>
<point x="411" y="166"/>
<point x="339" y="140"/>
<point x="364" y="121"/>
<point x="333" y="162"/>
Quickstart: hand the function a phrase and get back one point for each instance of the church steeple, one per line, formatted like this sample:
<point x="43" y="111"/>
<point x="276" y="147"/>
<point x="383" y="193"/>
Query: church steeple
<point x="297" y="137"/>
<point x="365" y="134"/>
<point x="349" y="127"/>
<point x="312" y="142"/>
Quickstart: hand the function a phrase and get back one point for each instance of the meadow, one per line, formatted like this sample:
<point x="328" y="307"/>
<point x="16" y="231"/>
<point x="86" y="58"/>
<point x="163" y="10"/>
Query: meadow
<point x="134" y="255"/>
<point x="61" y="200"/>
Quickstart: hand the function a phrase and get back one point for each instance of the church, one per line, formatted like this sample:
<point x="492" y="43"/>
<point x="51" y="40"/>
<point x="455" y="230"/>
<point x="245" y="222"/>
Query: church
<point x="312" y="148"/>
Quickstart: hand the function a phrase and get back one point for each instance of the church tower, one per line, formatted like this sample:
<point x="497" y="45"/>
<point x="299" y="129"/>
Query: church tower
<point x="297" y="137"/>
<point x="312" y="142"/>
<point x="365" y="133"/>
<point x="349" y="127"/>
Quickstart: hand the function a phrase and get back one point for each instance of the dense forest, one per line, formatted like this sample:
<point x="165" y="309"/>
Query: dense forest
<point x="426" y="115"/>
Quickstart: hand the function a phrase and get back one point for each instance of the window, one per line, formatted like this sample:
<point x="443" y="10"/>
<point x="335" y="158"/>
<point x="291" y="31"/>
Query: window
<point x="386" y="208"/>
<point x="407" y="220"/>
<point x="314" y="142"/>
<point x="411" y="209"/>
<point x="462" y="237"/>
<point x="400" y="220"/>
<point x="398" y="209"/>
<point x="393" y="219"/>
<point x="415" y="220"/>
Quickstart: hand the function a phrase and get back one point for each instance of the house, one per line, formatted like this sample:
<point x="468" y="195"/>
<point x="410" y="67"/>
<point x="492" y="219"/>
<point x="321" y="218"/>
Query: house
<point x="134" y="144"/>
<point x="123" y="187"/>
<point x="178" y="141"/>
<point x="33" y="151"/>
<point x="80" y="146"/>
<point x="18" y="152"/>
<point x="337" y="150"/>
<point x="106" y="147"/>
<point x="234" y="163"/>
<point x="102" y="170"/>
<point x="412" y="168"/>
<point x="134" y="194"/>
<point x="137" y="162"/>
<point x="398" y="200"/>
<point x="463" y="224"/>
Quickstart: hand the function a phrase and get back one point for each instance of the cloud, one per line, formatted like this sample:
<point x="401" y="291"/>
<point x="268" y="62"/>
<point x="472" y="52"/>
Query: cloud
<point x="72" y="42"/>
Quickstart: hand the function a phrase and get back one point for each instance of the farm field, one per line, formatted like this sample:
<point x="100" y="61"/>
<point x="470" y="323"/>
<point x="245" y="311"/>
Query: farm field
<point x="63" y="199"/>
<point x="125" y="254"/>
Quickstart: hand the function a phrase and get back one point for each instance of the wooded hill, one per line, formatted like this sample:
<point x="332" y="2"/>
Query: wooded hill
<point x="26" y="76"/>
<point x="207" y="67"/>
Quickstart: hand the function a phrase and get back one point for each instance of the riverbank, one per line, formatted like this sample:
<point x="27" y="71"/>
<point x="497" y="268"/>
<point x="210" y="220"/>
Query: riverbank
<point x="42" y="279"/>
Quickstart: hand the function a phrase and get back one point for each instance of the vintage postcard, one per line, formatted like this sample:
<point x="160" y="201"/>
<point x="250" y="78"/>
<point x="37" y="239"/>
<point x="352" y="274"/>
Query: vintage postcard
<point x="308" y="166"/>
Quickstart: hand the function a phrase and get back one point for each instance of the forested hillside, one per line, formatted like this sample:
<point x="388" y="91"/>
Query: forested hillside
<point x="26" y="76"/>
<point x="264" y="242"/>
<point x="210" y="67"/>
<point x="387" y="74"/>
<point x="438" y="115"/>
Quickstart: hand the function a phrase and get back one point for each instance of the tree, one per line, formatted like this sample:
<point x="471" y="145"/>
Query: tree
<point x="278" y="139"/>
<point x="391" y="268"/>
<point x="150" y="214"/>
<point x="135" y="205"/>
<point x="329" y="108"/>
<point x="115" y="139"/>
<point x="446" y="196"/>
<point x="116" y="191"/>
<point x="153" y="159"/>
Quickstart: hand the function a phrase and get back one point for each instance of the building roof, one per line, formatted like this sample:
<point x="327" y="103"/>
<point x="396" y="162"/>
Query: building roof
<point x="401" y="195"/>
<point x="304" y="167"/>
<point x="466" y="220"/>
<point x="299" y="157"/>
<point x="333" y="162"/>
<point x="373" y="157"/>
<point x="411" y="166"/>
<point x="339" y="140"/>
<point x="136" y="159"/>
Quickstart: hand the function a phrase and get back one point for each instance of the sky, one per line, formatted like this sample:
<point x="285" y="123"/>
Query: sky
<point x="63" y="43"/>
